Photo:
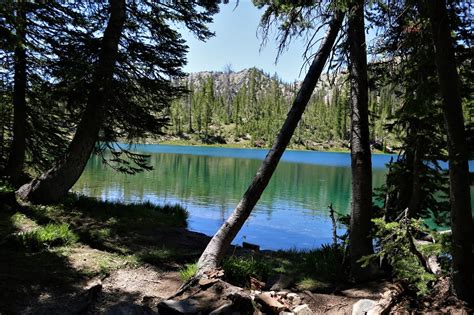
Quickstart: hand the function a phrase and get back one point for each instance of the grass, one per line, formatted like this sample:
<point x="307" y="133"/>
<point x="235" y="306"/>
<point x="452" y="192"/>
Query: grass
<point x="160" y="255"/>
<point x="137" y="214"/>
<point x="317" y="269"/>
<point x="187" y="272"/>
<point x="51" y="235"/>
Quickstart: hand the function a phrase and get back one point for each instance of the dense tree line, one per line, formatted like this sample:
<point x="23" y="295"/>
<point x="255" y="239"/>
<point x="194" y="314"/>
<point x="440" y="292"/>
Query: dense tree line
<point x="256" y="107"/>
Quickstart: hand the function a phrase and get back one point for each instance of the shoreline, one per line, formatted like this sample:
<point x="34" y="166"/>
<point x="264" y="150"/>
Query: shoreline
<point x="234" y="145"/>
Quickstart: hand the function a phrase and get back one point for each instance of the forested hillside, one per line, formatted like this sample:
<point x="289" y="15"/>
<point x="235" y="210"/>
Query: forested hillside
<point x="249" y="106"/>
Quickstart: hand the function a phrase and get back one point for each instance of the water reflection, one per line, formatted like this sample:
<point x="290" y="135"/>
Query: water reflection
<point x="292" y="212"/>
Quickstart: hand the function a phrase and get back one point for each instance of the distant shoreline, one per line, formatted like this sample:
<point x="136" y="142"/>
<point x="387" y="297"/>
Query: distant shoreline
<point x="327" y="147"/>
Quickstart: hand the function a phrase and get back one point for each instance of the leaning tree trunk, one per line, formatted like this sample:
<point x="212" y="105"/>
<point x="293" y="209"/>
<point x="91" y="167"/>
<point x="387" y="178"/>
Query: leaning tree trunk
<point x="56" y="182"/>
<point x="219" y="244"/>
<point x="361" y="164"/>
<point x="461" y="216"/>
<point x="16" y="159"/>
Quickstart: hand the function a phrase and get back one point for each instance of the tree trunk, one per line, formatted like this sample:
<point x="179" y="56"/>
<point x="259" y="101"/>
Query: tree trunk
<point x="56" y="182"/>
<point x="361" y="164"/>
<point x="415" y="198"/>
<point x="461" y="216"/>
<point x="16" y="159"/>
<point x="221" y="241"/>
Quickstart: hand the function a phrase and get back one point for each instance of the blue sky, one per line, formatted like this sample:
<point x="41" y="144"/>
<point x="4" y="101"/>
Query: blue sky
<point x="236" y="43"/>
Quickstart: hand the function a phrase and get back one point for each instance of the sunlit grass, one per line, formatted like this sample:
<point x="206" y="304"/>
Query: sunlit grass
<point x="187" y="272"/>
<point x="50" y="235"/>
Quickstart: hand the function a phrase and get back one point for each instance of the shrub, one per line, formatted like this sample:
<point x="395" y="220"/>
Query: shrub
<point x="395" y="246"/>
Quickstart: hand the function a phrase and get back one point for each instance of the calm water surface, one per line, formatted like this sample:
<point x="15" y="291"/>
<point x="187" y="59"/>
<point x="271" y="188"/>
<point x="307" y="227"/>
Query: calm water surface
<point x="209" y="182"/>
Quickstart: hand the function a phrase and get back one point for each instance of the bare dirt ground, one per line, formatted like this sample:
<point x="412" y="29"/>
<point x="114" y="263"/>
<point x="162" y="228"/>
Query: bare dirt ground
<point x="71" y="289"/>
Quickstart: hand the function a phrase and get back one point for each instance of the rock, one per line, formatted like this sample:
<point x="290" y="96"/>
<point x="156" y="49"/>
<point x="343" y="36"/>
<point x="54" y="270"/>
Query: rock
<point x="361" y="307"/>
<point x="125" y="308"/>
<point x="286" y="313"/>
<point x="294" y="298"/>
<point x="302" y="310"/>
<point x="255" y="284"/>
<point x="282" y="294"/>
<point x="242" y="302"/>
<point x="204" y="282"/>
<point x="172" y="307"/>
<point x="278" y="282"/>
<point x="224" y="309"/>
<point x="269" y="303"/>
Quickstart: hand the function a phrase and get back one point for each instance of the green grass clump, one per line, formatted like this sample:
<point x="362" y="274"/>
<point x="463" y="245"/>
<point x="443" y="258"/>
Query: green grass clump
<point x="50" y="235"/>
<point x="187" y="272"/>
<point x="129" y="215"/>
<point x="238" y="269"/>
<point x="313" y="270"/>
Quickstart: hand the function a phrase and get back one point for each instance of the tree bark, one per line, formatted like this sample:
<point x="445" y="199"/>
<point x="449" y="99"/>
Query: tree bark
<point x="16" y="159"/>
<point x="415" y="198"/>
<point x="56" y="182"/>
<point x="219" y="244"/>
<point x="361" y="164"/>
<point x="461" y="216"/>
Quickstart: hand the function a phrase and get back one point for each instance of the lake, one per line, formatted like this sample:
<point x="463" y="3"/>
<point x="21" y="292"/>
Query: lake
<point x="209" y="182"/>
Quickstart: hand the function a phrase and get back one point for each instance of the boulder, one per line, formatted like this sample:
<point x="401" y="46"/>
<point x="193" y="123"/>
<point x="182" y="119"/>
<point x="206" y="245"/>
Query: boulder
<point x="302" y="310"/>
<point x="174" y="307"/>
<point x="361" y="307"/>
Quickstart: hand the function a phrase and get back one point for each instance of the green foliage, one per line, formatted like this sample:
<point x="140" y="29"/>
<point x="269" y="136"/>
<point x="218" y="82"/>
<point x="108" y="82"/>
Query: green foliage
<point x="394" y="246"/>
<point x="188" y="272"/>
<point x="237" y="269"/>
<point x="63" y="48"/>
<point x="216" y="109"/>
<point x="51" y="235"/>
<point x="159" y="256"/>
<point x="131" y="215"/>
<point x="5" y="186"/>
<point x="314" y="269"/>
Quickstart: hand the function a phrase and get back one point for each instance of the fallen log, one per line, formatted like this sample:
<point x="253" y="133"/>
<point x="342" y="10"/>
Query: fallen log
<point x="388" y="300"/>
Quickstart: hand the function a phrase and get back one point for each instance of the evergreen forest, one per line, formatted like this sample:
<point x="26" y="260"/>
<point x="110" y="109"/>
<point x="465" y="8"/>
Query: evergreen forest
<point x="130" y="186"/>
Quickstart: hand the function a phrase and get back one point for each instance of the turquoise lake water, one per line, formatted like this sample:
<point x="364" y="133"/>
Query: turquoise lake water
<point x="209" y="182"/>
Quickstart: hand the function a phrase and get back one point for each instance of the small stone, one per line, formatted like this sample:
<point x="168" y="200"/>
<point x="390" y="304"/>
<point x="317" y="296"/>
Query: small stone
<point x="269" y="303"/>
<point x="361" y="307"/>
<point x="256" y="284"/>
<point x="302" y="310"/>
<point x="282" y="294"/>
<point x="294" y="298"/>
<point x="286" y="313"/>
<point x="272" y="293"/>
